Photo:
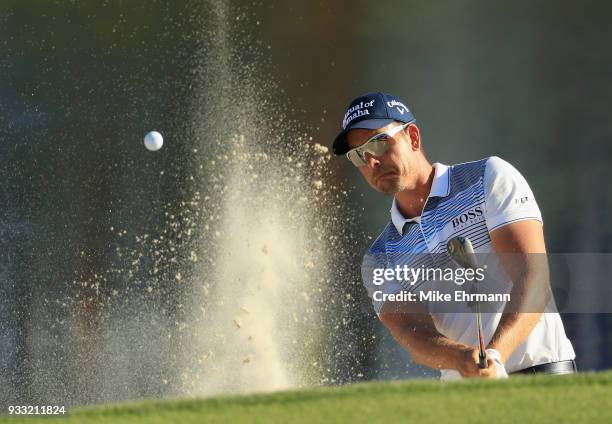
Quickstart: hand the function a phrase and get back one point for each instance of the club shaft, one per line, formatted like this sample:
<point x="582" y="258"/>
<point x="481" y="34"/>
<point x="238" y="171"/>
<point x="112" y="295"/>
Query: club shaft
<point x="462" y="251"/>
<point x="482" y="358"/>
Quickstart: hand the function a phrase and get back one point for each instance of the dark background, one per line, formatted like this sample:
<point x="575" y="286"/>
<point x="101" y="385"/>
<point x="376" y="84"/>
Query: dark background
<point x="83" y="81"/>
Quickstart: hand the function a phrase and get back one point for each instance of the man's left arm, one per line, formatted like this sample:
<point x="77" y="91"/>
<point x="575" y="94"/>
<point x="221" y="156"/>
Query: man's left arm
<point x="522" y="252"/>
<point x="515" y="227"/>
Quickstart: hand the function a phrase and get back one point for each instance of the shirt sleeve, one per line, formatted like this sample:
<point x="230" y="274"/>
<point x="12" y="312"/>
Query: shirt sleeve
<point x="508" y="197"/>
<point x="372" y="275"/>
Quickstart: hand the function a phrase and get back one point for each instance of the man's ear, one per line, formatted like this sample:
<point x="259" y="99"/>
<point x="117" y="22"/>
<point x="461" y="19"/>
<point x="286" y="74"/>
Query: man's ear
<point x="415" y="136"/>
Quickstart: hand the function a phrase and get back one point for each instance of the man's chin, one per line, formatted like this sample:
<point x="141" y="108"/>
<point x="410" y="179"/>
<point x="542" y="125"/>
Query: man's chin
<point x="388" y="186"/>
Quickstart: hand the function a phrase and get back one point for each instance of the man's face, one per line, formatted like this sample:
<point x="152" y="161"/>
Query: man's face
<point x="396" y="169"/>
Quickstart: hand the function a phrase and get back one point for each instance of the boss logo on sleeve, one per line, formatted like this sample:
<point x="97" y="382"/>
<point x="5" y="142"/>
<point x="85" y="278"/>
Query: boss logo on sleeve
<point x="522" y="200"/>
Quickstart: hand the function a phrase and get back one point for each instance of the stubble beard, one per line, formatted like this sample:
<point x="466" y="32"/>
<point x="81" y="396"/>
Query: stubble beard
<point x="391" y="186"/>
<point x="401" y="182"/>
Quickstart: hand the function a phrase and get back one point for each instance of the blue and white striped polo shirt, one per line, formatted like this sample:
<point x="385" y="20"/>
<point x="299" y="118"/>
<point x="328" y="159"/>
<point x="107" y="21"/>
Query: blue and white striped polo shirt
<point x="469" y="199"/>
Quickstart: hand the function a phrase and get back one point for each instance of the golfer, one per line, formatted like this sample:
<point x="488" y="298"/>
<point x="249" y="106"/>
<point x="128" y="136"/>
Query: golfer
<point x="487" y="201"/>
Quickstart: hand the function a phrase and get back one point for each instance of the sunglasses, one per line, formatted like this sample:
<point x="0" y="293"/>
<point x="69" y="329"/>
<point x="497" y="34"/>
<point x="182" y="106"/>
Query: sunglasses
<point x="375" y="146"/>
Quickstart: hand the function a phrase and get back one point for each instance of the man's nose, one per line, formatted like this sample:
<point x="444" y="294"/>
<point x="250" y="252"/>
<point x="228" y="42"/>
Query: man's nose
<point x="371" y="160"/>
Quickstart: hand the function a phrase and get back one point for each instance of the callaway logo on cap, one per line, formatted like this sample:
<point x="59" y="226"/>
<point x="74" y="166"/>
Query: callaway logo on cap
<point x="371" y="111"/>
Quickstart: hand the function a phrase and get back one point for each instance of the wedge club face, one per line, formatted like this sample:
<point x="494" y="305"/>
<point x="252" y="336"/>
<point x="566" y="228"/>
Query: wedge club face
<point x="462" y="252"/>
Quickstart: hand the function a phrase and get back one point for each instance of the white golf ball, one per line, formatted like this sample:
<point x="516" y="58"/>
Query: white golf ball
<point x="153" y="141"/>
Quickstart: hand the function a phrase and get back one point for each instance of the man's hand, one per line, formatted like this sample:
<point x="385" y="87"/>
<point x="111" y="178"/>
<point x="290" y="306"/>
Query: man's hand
<point x="500" y="370"/>
<point x="468" y="365"/>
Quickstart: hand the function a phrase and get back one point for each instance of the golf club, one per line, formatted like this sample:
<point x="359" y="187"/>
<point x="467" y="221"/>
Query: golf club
<point x="462" y="252"/>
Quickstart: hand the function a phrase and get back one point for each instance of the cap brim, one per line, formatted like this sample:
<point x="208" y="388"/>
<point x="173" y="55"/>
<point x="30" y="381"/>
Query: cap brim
<point x="372" y="124"/>
<point x="340" y="147"/>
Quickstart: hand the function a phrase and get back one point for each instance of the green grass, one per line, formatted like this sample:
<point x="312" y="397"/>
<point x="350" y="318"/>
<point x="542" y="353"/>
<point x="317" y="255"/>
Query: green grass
<point x="582" y="398"/>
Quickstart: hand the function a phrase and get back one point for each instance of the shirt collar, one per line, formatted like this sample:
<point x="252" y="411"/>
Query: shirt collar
<point x="440" y="187"/>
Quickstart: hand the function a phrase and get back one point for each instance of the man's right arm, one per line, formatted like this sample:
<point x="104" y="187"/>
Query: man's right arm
<point x="413" y="327"/>
<point x="416" y="332"/>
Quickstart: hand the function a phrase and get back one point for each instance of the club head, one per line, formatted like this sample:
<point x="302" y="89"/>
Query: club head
<point x="461" y="251"/>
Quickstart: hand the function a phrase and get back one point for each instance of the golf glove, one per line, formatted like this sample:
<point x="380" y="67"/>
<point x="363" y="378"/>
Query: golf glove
<point x="500" y="370"/>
